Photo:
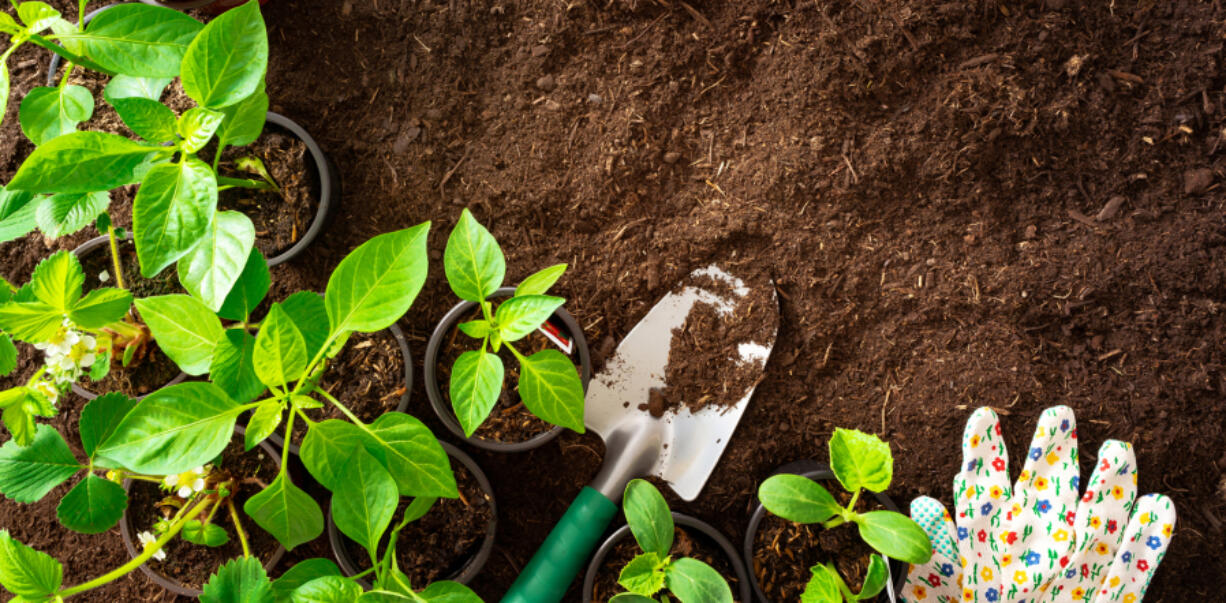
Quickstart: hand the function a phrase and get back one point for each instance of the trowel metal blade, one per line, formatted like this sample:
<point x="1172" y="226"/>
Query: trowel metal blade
<point x="689" y="444"/>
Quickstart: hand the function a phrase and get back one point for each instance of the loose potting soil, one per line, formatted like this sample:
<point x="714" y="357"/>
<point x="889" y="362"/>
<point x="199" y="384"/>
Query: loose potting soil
<point x="961" y="203"/>
<point x="367" y="377"/>
<point x="281" y="217"/>
<point x="686" y="543"/>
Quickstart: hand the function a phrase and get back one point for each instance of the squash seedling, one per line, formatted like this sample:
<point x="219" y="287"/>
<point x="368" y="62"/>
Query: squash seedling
<point x="860" y="462"/>
<point x="549" y="385"/>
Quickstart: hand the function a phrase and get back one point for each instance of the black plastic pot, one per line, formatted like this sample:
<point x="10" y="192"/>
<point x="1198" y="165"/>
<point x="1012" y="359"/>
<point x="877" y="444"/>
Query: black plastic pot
<point x="741" y="592"/>
<point x="819" y="472"/>
<point x="442" y="404"/>
<point x="169" y="584"/>
<point x="329" y="187"/>
<point x="93" y="246"/>
<point x="474" y="565"/>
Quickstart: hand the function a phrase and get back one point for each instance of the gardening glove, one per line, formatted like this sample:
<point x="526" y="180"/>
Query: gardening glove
<point x="1034" y="541"/>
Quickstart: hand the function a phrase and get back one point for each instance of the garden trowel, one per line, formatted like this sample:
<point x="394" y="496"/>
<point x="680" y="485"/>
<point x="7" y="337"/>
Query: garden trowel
<point x="681" y="446"/>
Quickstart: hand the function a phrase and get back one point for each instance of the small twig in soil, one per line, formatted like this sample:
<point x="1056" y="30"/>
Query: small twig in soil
<point x="452" y="171"/>
<point x="697" y="15"/>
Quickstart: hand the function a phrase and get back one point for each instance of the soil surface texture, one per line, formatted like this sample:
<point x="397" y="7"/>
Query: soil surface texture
<point x="280" y="217"/>
<point x="367" y="377"/>
<point x="1012" y="204"/>
<point x="686" y="543"/>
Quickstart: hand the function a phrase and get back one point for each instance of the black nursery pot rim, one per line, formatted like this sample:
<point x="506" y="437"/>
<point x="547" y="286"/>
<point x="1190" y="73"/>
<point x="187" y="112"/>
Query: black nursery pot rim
<point x="441" y="404"/>
<point x="179" y="4"/>
<point x="174" y="586"/>
<point x="818" y="472"/>
<point x="81" y="251"/>
<point x="680" y="520"/>
<point x="475" y="563"/>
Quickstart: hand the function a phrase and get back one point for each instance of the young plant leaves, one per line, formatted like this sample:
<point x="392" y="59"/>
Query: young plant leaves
<point x="241" y="580"/>
<point x="860" y="460"/>
<point x="37" y="16"/>
<point x="27" y="573"/>
<point x="100" y="307"/>
<point x="264" y="421"/>
<point x="47" y="113"/>
<point x="797" y="498"/>
<point x="895" y="535"/>
<point x="197" y="126"/>
<point x="631" y="598"/>
<point x="17" y="214"/>
<point x="184" y="328"/>
<point x="326" y="449"/>
<point x="30" y="321"/>
<point x="8" y="354"/>
<point x="100" y="417"/>
<point x="473" y="261"/>
<point x="445" y="591"/>
<point x="477" y="329"/>
<point x="519" y="316"/>
<point x="551" y="389"/>
<point x="93" y="506"/>
<point x="306" y="310"/>
<point x="232" y="367"/>
<point x="412" y="455"/>
<point x="128" y="86"/>
<point x="171" y="212"/>
<point x="139" y="40"/>
<point x="147" y="118"/>
<point x="476" y="381"/>
<point x="539" y="283"/>
<point x="210" y="270"/>
<point x="57" y="281"/>
<point x="376" y="283"/>
<point x="649" y="518"/>
<point x="28" y="473"/>
<point x="280" y="350"/>
<point x="173" y="429"/>
<point x="301" y="573"/>
<point x="204" y="534"/>
<point x="366" y="501"/>
<point x="67" y="213"/>
<point x="244" y="121"/>
<point x="249" y="290"/>
<point x="823" y="586"/>
<point x="693" y="581"/>
<point x="225" y="64"/>
<point x="644" y="574"/>
<point x="331" y="589"/>
<point x="874" y="578"/>
<point x="287" y="512"/>
<point x="85" y="162"/>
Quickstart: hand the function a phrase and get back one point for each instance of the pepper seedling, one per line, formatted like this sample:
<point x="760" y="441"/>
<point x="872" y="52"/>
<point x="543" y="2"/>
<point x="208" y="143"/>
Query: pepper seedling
<point x="549" y="385"/>
<point x="860" y="461"/>
<point x="655" y="571"/>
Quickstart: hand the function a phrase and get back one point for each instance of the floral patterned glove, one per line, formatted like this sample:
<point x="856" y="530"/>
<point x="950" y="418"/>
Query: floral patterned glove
<point x="1035" y="541"/>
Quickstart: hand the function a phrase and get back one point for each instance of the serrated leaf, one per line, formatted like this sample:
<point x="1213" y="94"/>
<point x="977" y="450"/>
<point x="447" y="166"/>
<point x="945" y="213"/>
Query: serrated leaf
<point x="26" y="572"/>
<point x="28" y="473"/>
<point x="204" y="534"/>
<point x="173" y="430"/>
<point x="147" y="118"/>
<point x="47" y="113"/>
<point x="84" y="162"/>
<point x="57" y="281"/>
<point x="643" y="575"/>
<point x="210" y="270"/>
<point x="100" y="417"/>
<point x="473" y="261"/>
<point x="519" y="316"/>
<point x="550" y="387"/>
<point x="301" y="573"/>
<point x="540" y="282"/>
<point x="31" y="322"/>
<point x="650" y="521"/>
<point x="364" y="505"/>
<point x="197" y="126"/>
<point x="241" y="580"/>
<point x="475" y="383"/>
<point x="823" y="586"/>
<point x="860" y="460"/>
<point x="184" y="329"/>
<point x="226" y="63"/>
<point x="173" y="210"/>
<point x="8" y="354"/>
<point x="376" y="283"/>
<point x="286" y="512"/>
<point x="280" y="350"/>
<point x="93" y="506"/>
<point x="264" y="421"/>
<point x="140" y="40"/>
<point x="797" y="499"/>
<point x="232" y="367"/>
<point x="100" y="308"/>
<point x="129" y="86"/>
<point x="67" y="213"/>
<point x="692" y="580"/>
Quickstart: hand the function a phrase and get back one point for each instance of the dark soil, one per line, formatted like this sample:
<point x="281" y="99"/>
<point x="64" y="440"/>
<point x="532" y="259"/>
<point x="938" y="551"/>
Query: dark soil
<point x="444" y="540"/>
<point x="282" y="217"/>
<point x="192" y="564"/>
<point x="367" y="376"/>
<point x="686" y="543"/>
<point x="934" y="187"/>
<point x="784" y="551"/>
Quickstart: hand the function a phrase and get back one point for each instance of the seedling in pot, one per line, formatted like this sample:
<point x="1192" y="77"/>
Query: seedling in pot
<point x="654" y="572"/>
<point x="860" y="462"/>
<point x="549" y="385"/>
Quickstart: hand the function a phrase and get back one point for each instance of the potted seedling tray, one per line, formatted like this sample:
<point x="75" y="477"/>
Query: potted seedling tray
<point x="452" y="541"/>
<point x="510" y="427"/>
<point x="780" y="571"/>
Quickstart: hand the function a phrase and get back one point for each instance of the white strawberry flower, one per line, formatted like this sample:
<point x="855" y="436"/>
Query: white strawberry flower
<point x="188" y="482"/>
<point x="147" y="540"/>
<point x="47" y="390"/>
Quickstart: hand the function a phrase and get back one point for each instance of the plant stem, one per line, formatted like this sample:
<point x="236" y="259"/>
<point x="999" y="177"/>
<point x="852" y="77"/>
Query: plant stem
<point x="238" y="527"/>
<point x="137" y="561"/>
<point x="485" y="311"/>
<point x="118" y="264"/>
<point x="345" y="410"/>
<point x="289" y="431"/>
<point x="67" y="72"/>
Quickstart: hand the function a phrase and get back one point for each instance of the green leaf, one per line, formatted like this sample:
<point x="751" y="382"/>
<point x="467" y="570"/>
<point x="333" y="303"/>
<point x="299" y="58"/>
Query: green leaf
<point x="280" y="350"/>
<point x="473" y="261"/>
<point x="476" y="381"/>
<point x="28" y="473"/>
<point x="32" y="322"/>
<point x="631" y="598"/>
<point x="149" y="119"/>
<point x="241" y="580"/>
<point x="173" y="430"/>
<point x="895" y="535"/>
<point x="226" y="63"/>
<point x="551" y="389"/>
<point x="860" y="460"/>
<point x="327" y="589"/>
<point x="232" y="367"/>
<point x="445" y="591"/>
<point x="19" y="419"/>
<point x="47" y="113"/>
<point x="67" y="213"/>
<point x="797" y="499"/>
<point x="477" y="329"/>
<point x="823" y="587"/>
<point x="874" y="578"/>
<point x="210" y="270"/>
<point x="139" y="40"/>
<point x="644" y="574"/>
<point x="301" y="573"/>
<point x="197" y="126"/>
<point x="57" y="281"/>
<point x="418" y="509"/>
<point x="204" y="534"/>
<point x="649" y="518"/>
<point x="540" y="282"/>
<point x="244" y="120"/>
<point x="101" y="307"/>
<point x="286" y="512"/>
<point x="306" y="310"/>
<point x="264" y="421"/>
<point x="693" y="581"/>
<point x="8" y="354"/>
<point x="185" y="329"/>
<point x="249" y="290"/>
<point x="5" y="88"/>
<point x="364" y="505"/>
<point x="84" y="162"/>
<point x="412" y="455"/>
<point x="37" y="16"/>
<point x="93" y="506"/>
<point x="26" y="572"/>
<point x="129" y="86"/>
<point x="376" y="283"/>
<point x="172" y="211"/>
<point x="18" y="211"/>
<point x="326" y="448"/>
<point x="100" y="417"/>
<point x="519" y="316"/>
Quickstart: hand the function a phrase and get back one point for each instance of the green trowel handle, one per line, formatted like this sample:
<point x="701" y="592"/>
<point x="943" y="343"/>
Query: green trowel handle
<point x="558" y="561"/>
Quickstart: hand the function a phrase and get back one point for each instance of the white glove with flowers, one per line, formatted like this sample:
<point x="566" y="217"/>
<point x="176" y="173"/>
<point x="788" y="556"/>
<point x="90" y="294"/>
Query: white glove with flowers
<point x="1036" y="541"/>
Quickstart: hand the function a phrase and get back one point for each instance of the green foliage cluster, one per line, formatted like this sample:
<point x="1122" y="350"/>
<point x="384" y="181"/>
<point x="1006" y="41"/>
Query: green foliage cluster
<point x="860" y="461"/>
